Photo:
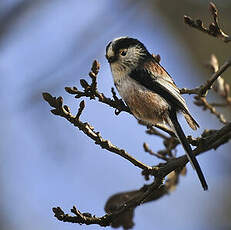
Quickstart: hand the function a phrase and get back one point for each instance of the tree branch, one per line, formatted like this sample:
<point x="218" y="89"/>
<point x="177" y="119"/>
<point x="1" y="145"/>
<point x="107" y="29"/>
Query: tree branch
<point x="88" y="129"/>
<point x="107" y="219"/>
<point x="202" y="101"/>
<point x="201" y="92"/>
<point x="126" y="202"/>
<point x="90" y="91"/>
<point x="213" y="29"/>
<point x="160" y="171"/>
<point x="210" y="82"/>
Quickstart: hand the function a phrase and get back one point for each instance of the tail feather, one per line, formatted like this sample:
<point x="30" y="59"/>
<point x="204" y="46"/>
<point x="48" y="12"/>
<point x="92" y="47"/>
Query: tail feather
<point x="180" y="134"/>
<point x="190" y="120"/>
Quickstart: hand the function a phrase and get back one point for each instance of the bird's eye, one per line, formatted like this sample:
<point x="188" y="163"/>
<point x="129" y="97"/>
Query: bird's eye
<point x="123" y="52"/>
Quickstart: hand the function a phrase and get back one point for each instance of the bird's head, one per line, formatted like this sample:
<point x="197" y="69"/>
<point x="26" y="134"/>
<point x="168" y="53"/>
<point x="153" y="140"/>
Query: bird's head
<point x="125" y="52"/>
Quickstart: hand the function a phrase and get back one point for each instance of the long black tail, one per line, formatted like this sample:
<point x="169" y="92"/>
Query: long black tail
<point x="180" y="134"/>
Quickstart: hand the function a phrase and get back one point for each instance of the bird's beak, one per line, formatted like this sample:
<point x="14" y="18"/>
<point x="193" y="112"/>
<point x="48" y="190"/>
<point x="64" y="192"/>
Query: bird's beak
<point x="111" y="59"/>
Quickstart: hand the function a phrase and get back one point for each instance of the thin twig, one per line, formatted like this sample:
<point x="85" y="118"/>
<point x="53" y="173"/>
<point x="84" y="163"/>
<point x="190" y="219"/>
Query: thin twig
<point x="219" y="86"/>
<point x="201" y="101"/>
<point x="88" y="129"/>
<point x="209" y="83"/>
<point x="148" y="150"/>
<point x="91" y="91"/>
<point x="213" y="141"/>
<point x="203" y="89"/>
<point x="190" y="91"/>
<point x="107" y="219"/>
<point x="213" y="29"/>
<point x="154" y="131"/>
<point x="201" y="92"/>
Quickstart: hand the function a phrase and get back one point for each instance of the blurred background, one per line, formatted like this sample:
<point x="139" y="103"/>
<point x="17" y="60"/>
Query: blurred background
<point x="45" y="162"/>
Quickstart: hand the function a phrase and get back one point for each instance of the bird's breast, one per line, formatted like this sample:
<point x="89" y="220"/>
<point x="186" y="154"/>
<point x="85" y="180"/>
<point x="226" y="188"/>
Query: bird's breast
<point x="143" y="103"/>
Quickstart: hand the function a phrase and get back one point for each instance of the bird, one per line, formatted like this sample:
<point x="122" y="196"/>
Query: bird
<point x="149" y="91"/>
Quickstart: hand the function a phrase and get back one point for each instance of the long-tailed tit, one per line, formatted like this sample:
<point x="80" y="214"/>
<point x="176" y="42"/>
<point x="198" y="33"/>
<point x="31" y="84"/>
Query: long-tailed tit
<point x="149" y="91"/>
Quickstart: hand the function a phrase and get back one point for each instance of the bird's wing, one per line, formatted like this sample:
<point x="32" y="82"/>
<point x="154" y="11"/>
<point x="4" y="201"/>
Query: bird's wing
<point x="155" y="78"/>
